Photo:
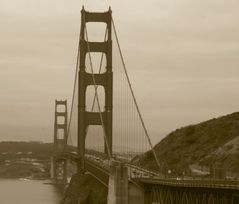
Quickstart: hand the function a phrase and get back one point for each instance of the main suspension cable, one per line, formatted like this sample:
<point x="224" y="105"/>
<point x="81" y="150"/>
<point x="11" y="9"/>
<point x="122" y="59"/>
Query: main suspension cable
<point x="74" y="88"/>
<point x="134" y="98"/>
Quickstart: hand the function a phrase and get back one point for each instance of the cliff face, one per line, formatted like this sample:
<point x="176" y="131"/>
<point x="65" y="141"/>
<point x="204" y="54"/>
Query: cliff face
<point x="205" y="143"/>
<point x="84" y="189"/>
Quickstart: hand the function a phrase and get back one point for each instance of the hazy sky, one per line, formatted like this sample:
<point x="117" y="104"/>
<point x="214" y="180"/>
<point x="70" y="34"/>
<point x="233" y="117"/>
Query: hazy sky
<point x="182" y="56"/>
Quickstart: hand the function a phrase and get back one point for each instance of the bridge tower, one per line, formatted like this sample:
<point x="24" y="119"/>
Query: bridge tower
<point x="59" y="165"/>
<point x="103" y="79"/>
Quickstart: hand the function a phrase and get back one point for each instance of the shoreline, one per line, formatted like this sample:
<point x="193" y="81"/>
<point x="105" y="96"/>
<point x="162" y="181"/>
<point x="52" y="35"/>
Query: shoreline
<point x="19" y="177"/>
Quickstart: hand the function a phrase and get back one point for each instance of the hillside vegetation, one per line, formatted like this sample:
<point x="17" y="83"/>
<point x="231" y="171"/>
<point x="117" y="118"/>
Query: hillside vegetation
<point x="208" y="143"/>
<point x="30" y="149"/>
<point x="25" y="160"/>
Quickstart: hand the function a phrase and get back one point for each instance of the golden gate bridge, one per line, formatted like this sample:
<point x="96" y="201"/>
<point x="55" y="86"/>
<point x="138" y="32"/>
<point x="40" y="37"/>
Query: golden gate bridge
<point x="106" y="134"/>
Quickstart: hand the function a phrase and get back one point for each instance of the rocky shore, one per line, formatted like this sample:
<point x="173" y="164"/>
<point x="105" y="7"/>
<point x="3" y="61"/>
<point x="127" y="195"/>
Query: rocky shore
<point x="84" y="189"/>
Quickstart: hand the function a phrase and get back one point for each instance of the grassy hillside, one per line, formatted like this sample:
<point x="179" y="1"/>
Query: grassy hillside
<point x="198" y="144"/>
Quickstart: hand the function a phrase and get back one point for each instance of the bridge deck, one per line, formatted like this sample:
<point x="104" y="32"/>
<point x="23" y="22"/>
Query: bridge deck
<point x="101" y="172"/>
<point x="220" y="184"/>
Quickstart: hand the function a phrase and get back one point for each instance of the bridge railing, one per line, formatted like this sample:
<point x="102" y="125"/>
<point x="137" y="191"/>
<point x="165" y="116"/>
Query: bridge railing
<point x="192" y="183"/>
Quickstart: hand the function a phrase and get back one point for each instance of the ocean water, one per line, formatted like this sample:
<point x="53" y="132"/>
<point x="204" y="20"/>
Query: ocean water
<point x="23" y="191"/>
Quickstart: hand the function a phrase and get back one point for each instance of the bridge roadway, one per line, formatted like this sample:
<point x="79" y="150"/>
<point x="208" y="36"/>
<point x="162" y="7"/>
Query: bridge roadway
<point x="95" y="168"/>
<point x="100" y="169"/>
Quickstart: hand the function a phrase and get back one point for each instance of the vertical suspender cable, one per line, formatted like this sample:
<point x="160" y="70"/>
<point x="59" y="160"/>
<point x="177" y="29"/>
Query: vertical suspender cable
<point x="135" y="102"/>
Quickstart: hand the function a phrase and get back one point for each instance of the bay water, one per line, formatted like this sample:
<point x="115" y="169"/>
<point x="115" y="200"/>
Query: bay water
<point x="24" y="191"/>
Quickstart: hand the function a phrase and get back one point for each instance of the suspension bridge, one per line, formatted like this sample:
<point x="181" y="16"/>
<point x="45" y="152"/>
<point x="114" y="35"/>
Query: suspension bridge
<point x="106" y="132"/>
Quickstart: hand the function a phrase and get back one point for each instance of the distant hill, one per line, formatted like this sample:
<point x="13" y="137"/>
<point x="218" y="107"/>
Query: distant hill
<point x="213" y="142"/>
<point x="26" y="159"/>
<point x="32" y="149"/>
<point x="12" y="149"/>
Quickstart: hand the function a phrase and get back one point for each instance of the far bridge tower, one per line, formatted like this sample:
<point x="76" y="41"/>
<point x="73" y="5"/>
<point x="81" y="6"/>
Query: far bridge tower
<point x="59" y="165"/>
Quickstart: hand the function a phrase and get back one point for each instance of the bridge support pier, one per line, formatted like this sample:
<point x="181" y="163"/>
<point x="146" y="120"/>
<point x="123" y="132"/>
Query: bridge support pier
<point x="121" y="190"/>
<point x="118" y="184"/>
<point x="52" y="170"/>
<point x="59" y="170"/>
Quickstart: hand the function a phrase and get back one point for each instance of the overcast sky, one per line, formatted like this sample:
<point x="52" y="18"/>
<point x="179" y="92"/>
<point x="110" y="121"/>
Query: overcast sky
<point x="182" y="57"/>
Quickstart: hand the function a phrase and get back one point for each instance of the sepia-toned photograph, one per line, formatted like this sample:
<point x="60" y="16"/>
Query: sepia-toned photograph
<point x="119" y="102"/>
